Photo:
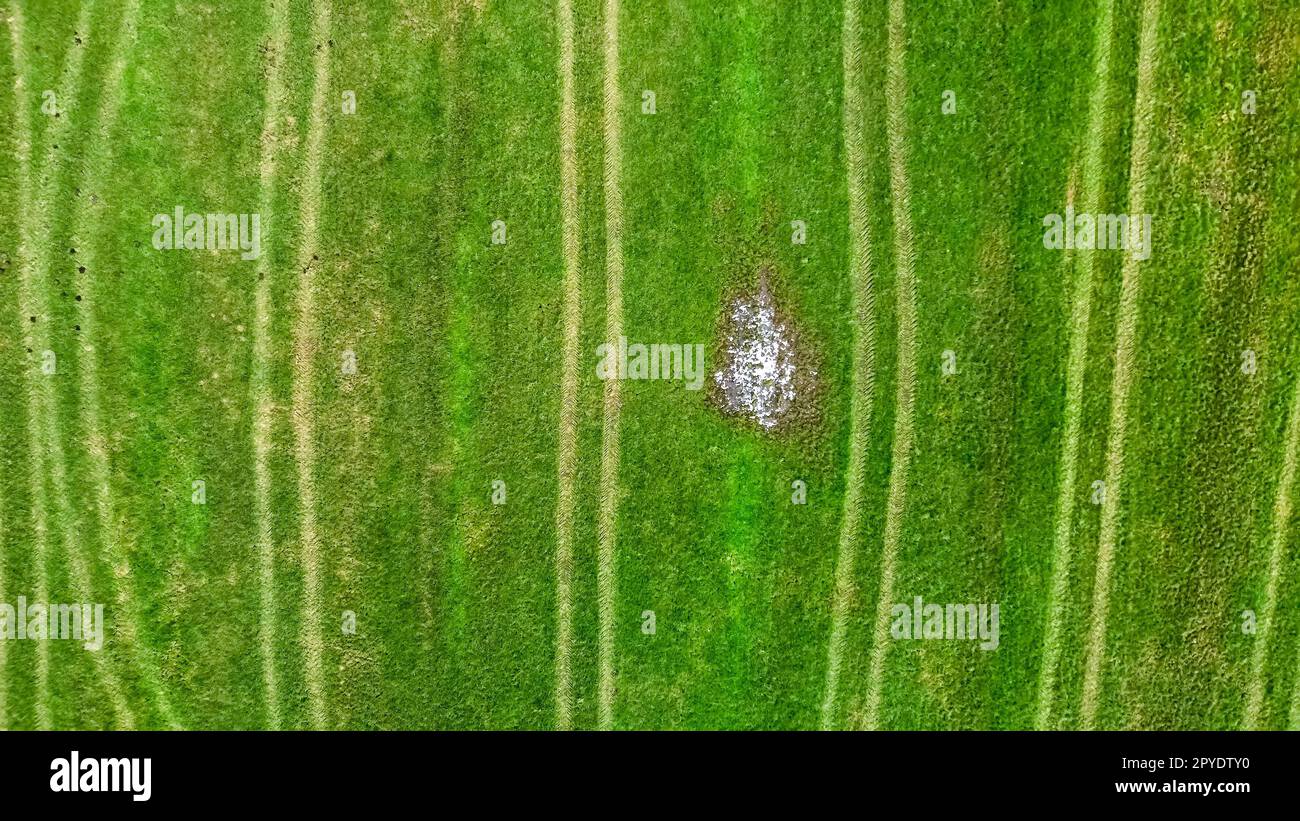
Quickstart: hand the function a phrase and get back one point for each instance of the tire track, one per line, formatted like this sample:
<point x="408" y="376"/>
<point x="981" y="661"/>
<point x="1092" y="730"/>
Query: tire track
<point x="566" y="457"/>
<point x="259" y="387"/>
<point x="905" y="399"/>
<point x="26" y="296"/>
<point x="1294" y="722"/>
<point x="44" y="433"/>
<point x="459" y="112"/>
<point x="22" y="154"/>
<point x="88" y="376"/>
<point x="1281" y="522"/>
<point x="1076" y="367"/>
<point x="68" y="521"/>
<point x="5" y="722"/>
<point x="305" y="343"/>
<point x="862" y="278"/>
<point x="1122" y="380"/>
<point x="607" y="526"/>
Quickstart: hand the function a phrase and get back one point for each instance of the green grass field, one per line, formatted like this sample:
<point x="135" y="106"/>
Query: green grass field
<point x="397" y="418"/>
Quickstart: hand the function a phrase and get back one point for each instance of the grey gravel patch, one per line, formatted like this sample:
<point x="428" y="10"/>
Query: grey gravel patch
<point x="761" y="378"/>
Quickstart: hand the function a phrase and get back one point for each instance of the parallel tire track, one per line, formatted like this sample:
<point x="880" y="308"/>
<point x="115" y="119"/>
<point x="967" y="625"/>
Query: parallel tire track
<point x="1122" y="380"/>
<point x="305" y="343"/>
<point x="905" y="399"/>
<point x="22" y="153"/>
<point x="69" y="524"/>
<point x="259" y="387"/>
<point x="27" y="291"/>
<point x="1076" y="367"/>
<point x="607" y="526"/>
<point x="566" y="456"/>
<point x="88" y="375"/>
<point x="861" y="278"/>
<point x="5" y="722"/>
<point x="1281" y="525"/>
<point x="44" y="432"/>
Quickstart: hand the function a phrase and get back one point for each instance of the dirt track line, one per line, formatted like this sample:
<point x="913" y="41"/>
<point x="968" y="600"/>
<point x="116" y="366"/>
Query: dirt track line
<point x="1281" y="521"/>
<point x="905" y="399"/>
<point x="607" y="525"/>
<point x="1076" y="368"/>
<point x="88" y="375"/>
<point x="566" y="457"/>
<point x="862" y="279"/>
<point x="259" y="380"/>
<point x="305" y="342"/>
<point x="1125" y="346"/>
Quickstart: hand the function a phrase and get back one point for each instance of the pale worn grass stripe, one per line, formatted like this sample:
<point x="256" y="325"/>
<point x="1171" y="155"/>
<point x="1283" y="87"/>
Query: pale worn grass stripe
<point x="1281" y="527"/>
<point x="4" y="669"/>
<point x="36" y="240"/>
<point x="566" y="457"/>
<point x="87" y="368"/>
<point x="26" y="297"/>
<point x="26" y="248"/>
<point x="305" y="344"/>
<point x="861" y="279"/>
<point x="1294" y="722"/>
<point x="606" y="574"/>
<point x="905" y="399"/>
<point x="48" y="191"/>
<point x="259" y="386"/>
<point x="1093" y="189"/>
<point x="22" y="152"/>
<point x="1125" y="350"/>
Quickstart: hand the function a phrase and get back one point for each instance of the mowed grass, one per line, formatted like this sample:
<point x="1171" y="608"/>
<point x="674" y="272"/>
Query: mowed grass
<point x="459" y="352"/>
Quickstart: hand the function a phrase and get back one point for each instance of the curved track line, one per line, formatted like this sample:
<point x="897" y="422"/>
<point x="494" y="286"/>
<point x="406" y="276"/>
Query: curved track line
<point x="862" y="278"/>
<point x="46" y="446"/>
<point x="606" y="574"/>
<point x="566" y="457"/>
<point x="22" y="136"/>
<point x="26" y="296"/>
<point x="259" y="379"/>
<point x="304" y="358"/>
<point x="1126" y="342"/>
<point x="4" y="670"/>
<point x="1077" y="365"/>
<point x="905" y="400"/>
<point x="26" y="246"/>
<point x="1281" y="520"/>
<point x="88" y="376"/>
<point x="48" y="191"/>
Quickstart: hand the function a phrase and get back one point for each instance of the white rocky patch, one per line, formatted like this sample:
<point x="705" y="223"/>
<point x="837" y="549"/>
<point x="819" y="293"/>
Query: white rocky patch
<point x="758" y="378"/>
